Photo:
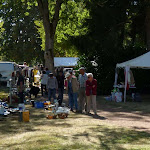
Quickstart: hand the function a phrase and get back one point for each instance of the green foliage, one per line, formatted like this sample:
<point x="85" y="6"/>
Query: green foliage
<point x="71" y="19"/>
<point x="19" y="41"/>
<point x="1" y="28"/>
<point x="22" y="33"/>
<point x="115" y="34"/>
<point x="1" y="32"/>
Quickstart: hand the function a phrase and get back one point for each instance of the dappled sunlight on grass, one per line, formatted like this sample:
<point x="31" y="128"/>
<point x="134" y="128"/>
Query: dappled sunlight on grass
<point x="4" y="92"/>
<point x="141" y="107"/>
<point x="116" y="138"/>
<point x="76" y="132"/>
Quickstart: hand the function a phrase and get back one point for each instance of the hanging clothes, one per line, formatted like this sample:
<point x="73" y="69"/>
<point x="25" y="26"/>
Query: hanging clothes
<point x="127" y="69"/>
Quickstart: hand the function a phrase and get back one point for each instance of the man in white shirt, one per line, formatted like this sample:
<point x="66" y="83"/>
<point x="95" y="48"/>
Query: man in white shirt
<point x="44" y="79"/>
<point x="82" y="85"/>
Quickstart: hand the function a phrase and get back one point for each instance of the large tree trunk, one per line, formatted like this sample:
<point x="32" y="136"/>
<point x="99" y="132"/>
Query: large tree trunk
<point x="49" y="54"/>
<point x="148" y="26"/>
<point x="49" y="46"/>
<point x="50" y="29"/>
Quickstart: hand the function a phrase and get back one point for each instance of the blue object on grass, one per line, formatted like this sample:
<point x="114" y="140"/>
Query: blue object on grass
<point x="39" y="104"/>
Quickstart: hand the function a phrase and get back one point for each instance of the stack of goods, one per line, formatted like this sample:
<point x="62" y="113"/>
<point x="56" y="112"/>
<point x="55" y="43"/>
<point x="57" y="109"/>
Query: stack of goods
<point x="4" y="109"/>
<point x="61" y="112"/>
<point x="47" y="105"/>
<point x="116" y="96"/>
<point x="19" y="111"/>
<point x="23" y="113"/>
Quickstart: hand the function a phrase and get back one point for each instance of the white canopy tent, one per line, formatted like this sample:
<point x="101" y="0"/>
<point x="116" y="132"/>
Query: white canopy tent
<point x="69" y="62"/>
<point x="65" y="61"/>
<point x="142" y="62"/>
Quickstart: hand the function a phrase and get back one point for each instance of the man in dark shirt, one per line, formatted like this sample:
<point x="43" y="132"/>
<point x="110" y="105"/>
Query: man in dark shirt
<point x="20" y="86"/>
<point x="48" y="71"/>
<point x="60" y="80"/>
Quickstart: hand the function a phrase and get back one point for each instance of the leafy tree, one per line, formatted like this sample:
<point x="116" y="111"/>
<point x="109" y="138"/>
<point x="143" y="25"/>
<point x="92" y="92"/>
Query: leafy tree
<point x="50" y="22"/>
<point x="19" y="41"/>
<point x="115" y="33"/>
<point x="60" y="20"/>
<point x="28" y="34"/>
<point x="146" y="3"/>
<point x="71" y="18"/>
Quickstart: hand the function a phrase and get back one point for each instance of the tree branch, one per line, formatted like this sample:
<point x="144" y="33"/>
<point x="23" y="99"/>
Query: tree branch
<point x="46" y="9"/>
<point x="43" y="7"/>
<point x="40" y="5"/>
<point x="56" y="15"/>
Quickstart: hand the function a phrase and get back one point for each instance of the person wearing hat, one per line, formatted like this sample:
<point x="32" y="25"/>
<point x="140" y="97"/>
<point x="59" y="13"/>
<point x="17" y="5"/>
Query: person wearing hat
<point x="52" y="86"/>
<point x="72" y="89"/>
<point x="82" y="86"/>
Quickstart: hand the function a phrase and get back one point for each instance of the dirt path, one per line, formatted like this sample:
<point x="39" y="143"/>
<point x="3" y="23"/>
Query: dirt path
<point x="133" y="120"/>
<point x="120" y="117"/>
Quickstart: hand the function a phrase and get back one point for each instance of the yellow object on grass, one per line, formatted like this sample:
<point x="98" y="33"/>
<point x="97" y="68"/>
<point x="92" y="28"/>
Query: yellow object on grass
<point x="25" y="116"/>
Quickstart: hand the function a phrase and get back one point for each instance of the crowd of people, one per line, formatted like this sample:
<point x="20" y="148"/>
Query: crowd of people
<point x="81" y="90"/>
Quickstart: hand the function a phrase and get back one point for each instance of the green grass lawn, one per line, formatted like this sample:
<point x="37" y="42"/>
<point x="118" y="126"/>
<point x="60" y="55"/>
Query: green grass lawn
<point x="143" y="107"/>
<point x="78" y="131"/>
<point x="4" y="92"/>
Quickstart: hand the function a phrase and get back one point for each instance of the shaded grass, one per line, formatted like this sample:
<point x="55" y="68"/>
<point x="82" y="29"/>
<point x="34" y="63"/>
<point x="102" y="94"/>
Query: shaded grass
<point x="4" y="92"/>
<point x="121" y="138"/>
<point x="77" y="132"/>
<point x="142" y="107"/>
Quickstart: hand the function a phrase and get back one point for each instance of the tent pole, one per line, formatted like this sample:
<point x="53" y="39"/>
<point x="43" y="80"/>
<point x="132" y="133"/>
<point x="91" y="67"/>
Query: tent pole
<point x="126" y="82"/>
<point x="116" y="77"/>
<point x="125" y="92"/>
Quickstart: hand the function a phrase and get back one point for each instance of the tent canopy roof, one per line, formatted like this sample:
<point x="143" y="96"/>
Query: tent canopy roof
<point x="142" y="61"/>
<point x="65" y="61"/>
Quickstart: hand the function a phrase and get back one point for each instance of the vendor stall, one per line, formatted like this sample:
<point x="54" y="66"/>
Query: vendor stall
<point x="142" y="62"/>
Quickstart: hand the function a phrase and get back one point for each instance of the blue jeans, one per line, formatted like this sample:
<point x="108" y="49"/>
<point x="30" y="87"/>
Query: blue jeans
<point x="73" y="100"/>
<point x="51" y="93"/>
<point x="60" y="95"/>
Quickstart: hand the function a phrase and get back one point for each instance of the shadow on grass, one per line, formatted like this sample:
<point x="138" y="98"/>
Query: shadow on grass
<point x="97" y="116"/>
<point x="4" y="92"/>
<point x="114" y="138"/>
<point x="131" y="107"/>
<point x="11" y="125"/>
<point x="92" y="116"/>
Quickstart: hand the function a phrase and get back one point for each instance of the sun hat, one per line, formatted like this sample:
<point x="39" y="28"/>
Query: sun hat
<point x="67" y="75"/>
<point x="82" y="68"/>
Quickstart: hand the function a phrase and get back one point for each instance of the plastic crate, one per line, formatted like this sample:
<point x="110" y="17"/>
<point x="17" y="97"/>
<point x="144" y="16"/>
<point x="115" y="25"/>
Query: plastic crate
<point x="39" y="105"/>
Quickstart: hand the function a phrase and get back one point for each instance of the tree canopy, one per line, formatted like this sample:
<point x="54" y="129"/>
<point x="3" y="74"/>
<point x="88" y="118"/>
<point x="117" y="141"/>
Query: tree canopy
<point x="22" y="32"/>
<point x="19" y="38"/>
<point x="116" y="33"/>
<point x="71" y="20"/>
<point x="105" y="31"/>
